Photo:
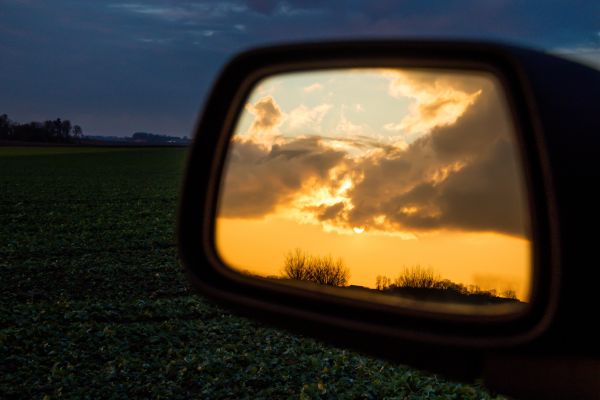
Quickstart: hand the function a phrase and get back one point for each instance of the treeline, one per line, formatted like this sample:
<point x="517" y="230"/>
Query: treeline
<point x="154" y="138"/>
<point x="50" y="131"/>
<point x="415" y="282"/>
<point x="418" y="279"/>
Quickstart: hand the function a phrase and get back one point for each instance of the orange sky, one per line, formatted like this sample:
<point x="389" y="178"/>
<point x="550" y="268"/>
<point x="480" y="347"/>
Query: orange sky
<point x="471" y="258"/>
<point x="384" y="168"/>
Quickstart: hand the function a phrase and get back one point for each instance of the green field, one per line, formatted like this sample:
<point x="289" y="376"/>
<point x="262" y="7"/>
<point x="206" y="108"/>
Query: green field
<point x="94" y="303"/>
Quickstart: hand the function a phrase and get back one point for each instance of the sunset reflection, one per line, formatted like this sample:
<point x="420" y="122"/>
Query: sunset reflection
<point x="384" y="169"/>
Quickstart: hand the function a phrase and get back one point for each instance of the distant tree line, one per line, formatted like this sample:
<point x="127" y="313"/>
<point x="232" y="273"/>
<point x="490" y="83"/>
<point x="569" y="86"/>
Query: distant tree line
<point x="418" y="277"/>
<point x="153" y="138"/>
<point x="415" y="282"/>
<point x="50" y="131"/>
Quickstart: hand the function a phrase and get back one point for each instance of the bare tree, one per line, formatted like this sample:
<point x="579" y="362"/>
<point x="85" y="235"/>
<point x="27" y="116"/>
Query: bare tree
<point x="327" y="271"/>
<point x="65" y="130"/>
<point x="417" y="277"/>
<point x="322" y="270"/>
<point x="382" y="282"/>
<point x="296" y="265"/>
<point x="77" y="133"/>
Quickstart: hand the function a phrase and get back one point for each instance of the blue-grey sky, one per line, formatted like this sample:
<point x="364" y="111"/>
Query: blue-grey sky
<point x="116" y="67"/>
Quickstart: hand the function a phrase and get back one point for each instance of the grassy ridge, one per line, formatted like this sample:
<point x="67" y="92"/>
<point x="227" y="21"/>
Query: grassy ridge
<point x="94" y="304"/>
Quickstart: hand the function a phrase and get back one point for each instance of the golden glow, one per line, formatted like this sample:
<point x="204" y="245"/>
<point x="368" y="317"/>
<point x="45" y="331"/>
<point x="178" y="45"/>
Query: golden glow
<point x="383" y="168"/>
<point x="260" y="246"/>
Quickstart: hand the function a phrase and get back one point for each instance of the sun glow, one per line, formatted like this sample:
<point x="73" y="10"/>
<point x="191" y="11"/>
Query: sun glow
<point x="358" y="230"/>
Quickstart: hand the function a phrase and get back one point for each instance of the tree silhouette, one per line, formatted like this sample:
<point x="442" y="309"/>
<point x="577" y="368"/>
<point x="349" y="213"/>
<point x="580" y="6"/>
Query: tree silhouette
<point x="77" y="133"/>
<point x="417" y="277"/>
<point x="325" y="270"/>
<point x="5" y="127"/>
<point x="65" y="130"/>
<point x="382" y="282"/>
<point x="50" y="131"/>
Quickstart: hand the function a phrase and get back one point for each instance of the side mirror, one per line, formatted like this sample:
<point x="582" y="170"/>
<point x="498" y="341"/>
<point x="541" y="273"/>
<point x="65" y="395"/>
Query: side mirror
<point x="425" y="202"/>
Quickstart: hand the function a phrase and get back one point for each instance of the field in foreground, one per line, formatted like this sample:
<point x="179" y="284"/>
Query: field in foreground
<point x="94" y="303"/>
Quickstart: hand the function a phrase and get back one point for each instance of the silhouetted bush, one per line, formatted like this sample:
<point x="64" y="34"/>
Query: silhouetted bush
<point x="322" y="270"/>
<point x="418" y="277"/>
<point x="424" y="284"/>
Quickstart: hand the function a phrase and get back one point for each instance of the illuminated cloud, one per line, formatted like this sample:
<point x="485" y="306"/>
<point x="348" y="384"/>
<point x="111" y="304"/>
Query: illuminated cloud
<point x="259" y="180"/>
<point x="437" y="102"/>
<point x="346" y="127"/>
<point x="307" y="119"/>
<point x="312" y="88"/>
<point x="267" y="115"/>
<point x="462" y="175"/>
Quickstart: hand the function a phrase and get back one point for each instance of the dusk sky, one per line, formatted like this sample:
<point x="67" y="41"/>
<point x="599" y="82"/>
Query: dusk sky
<point x="116" y="67"/>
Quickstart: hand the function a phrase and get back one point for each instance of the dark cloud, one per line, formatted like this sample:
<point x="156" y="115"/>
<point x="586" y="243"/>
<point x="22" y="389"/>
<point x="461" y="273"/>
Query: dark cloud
<point x="482" y="189"/>
<point x="331" y="212"/>
<point x="121" y="66"/>
<point x="483" y="196"/>
<point x="480" y="126"/>
<point x="257" y="180"/>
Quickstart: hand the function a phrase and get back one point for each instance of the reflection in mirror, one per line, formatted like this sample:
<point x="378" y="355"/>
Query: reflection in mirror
<point x="397" y="185"/>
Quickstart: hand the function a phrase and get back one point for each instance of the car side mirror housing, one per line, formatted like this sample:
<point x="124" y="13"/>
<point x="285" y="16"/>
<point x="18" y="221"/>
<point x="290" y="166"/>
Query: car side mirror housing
<point x="491" y="144"/>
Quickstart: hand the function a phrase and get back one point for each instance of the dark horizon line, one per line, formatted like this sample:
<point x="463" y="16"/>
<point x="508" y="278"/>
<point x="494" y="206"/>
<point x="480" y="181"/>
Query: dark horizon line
<point x="104" y="135"/>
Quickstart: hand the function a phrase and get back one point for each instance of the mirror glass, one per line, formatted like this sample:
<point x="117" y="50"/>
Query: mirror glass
<point x="402" y="186"/>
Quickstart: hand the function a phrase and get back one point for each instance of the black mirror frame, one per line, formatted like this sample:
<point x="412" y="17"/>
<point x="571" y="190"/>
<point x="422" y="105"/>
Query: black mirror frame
<point x="389" y="332"/>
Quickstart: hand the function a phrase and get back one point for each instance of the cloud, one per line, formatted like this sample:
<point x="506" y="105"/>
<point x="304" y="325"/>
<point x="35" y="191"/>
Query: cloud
<point x="259" y="180"/>
<point x="307" y="118"/>
<point x="589" y="56"/>
<point x="155" y="40"/>
<point x="347" y="128"/>
<point x="267" y="115"/>
<point x="312" y="88"/>
<point x="183" y="11"/>
<point x="461" y="176"/>
<point x="478" y="197"/>
<point x="437" y="102"/>
<point x="170" y="13"/>
<point x="358" y="138"/>
<point x="330" y="212"/>
<point x="93" y="53"/>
